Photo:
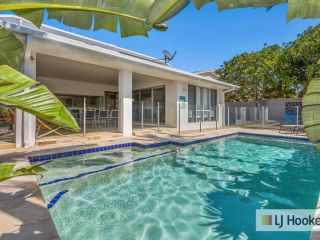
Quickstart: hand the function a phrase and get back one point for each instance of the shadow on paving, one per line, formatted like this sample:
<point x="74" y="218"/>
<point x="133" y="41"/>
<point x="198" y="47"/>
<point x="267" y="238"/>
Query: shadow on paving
<point x="23" y="213"/>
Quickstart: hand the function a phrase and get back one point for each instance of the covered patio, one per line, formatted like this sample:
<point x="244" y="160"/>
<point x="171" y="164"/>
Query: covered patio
<point x="94" y="95"/>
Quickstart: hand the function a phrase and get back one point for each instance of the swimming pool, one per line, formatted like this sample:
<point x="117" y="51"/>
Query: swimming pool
<point x="204" y="191"/>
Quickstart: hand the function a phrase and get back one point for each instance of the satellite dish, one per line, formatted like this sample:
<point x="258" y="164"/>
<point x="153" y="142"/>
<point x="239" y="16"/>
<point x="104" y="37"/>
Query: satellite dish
<point x="168" y="56"/>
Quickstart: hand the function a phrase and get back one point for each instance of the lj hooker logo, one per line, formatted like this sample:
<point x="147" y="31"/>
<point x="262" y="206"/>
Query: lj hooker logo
<point x="266" y="219"/>
<point x="287" y="220"/>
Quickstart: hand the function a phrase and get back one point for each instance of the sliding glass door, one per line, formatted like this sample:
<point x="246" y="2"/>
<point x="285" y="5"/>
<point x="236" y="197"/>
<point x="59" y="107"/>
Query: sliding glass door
<point x="150" y="98"/>
<point x="159" y="95"/>
<point x="136" y="106"/>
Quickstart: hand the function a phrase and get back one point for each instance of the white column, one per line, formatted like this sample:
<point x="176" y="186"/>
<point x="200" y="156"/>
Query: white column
<point x="125" y="102"/>
<point x="220" y="104"/>
<point x="19" y="128"/>
<point x="25" y="122"/>
<point x="29" y="120"/>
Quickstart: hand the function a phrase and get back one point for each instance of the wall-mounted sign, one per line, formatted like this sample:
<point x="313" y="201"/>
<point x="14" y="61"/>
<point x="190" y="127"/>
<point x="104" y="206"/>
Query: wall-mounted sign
<point x="182" y="100"/>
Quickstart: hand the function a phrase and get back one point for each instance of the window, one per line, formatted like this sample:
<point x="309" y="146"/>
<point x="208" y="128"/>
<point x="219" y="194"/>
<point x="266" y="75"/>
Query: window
<point x="202" y="104"/>
<point x="192" y="103"/>
<point x="111" y="100"/>
<point x="77" y="101"/>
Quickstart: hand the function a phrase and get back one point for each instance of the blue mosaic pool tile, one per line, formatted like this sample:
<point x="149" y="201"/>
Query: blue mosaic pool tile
<point x="56" y="198"/>
<point x="160" y="144"/>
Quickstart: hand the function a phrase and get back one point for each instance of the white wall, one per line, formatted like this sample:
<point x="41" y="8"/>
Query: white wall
<point x="171" y="103"/>
<point x="143" y="82"/>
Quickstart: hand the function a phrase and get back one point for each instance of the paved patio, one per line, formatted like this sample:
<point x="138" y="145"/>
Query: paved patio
<point x="23" y="212"/>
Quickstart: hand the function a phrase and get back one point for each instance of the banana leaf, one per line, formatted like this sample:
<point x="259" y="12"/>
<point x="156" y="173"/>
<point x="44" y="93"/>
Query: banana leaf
<point x="84" y="14"/>
<point x="38" y="100"/>
<point x="311" y="111"/>
<point x="6" y="171"/>
<point x="136" y="17"/>
<point x="296" y="8"/>
<point x="11" y="49"/>
<point x="229" y="4"/>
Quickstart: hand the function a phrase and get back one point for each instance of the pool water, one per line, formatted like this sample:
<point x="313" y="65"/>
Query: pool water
<point x="203" y="191"/>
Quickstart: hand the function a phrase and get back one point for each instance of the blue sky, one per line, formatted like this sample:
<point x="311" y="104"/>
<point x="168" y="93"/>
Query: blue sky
<point x="206" y="38"/>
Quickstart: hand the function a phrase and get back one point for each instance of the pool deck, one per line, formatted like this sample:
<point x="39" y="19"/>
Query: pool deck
<point x="23" y="212"/>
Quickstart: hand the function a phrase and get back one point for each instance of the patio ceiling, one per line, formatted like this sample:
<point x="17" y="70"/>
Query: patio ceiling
<point x="66" y="69"/>
<point x="62" y="68"/>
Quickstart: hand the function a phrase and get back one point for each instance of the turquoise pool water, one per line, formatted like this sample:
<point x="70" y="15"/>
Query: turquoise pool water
<point x="204" y="191"/>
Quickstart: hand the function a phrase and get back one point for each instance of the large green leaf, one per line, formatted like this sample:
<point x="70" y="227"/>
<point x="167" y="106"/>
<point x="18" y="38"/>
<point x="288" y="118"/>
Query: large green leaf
<point x="38" y="100"/>
<point x="229" y="4"/>
<point x="297" y="8"/>
<point x="6" y="171"/>
<point x="11" y="49"/>
<point x="304" y="9"/>
<point x="136" y="17"/>
<point x="311" y="111"/>
<point x="84" y="14"/>
<point x="165" y="9"/>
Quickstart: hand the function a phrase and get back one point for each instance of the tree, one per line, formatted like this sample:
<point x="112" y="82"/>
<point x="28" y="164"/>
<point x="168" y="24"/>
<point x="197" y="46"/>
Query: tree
<point x="281" y="72"/>
<point x="255" y="73"/>
<point x="278" y="72"/>
<point x="301" y="59"/>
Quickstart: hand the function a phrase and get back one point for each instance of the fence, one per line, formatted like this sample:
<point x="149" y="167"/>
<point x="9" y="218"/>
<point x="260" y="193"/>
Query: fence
<point x="263" y="118"/>
<point x="153" y="114"/>
<point x="89" y="118"/>
<point x="163" y="116"/>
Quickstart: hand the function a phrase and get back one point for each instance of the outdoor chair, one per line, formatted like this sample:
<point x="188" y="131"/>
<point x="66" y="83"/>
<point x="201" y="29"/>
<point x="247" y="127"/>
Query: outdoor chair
<point x="76" y="114"/>
<point x="206" y="115"/>
<point x="97" y="112"/>
<point x="212" y="115"/>
<point x="190" y="115"/>
<point x="198" y="115"/>
<point x="91" y="116"/>
<point x="290" y="124"/>
<point x="104" y="115"/>
<point x="114" y="116"/>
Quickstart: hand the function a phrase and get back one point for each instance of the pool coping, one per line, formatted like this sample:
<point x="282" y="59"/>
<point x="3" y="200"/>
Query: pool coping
<point x="50" y="157"/>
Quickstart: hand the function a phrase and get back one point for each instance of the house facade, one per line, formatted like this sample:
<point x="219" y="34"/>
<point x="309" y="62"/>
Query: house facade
<point x="138" y="87"/>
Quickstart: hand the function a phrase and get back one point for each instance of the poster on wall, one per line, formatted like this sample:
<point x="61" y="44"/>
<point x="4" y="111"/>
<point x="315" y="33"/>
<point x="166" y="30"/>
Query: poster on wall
<point x="291" y="107"/>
